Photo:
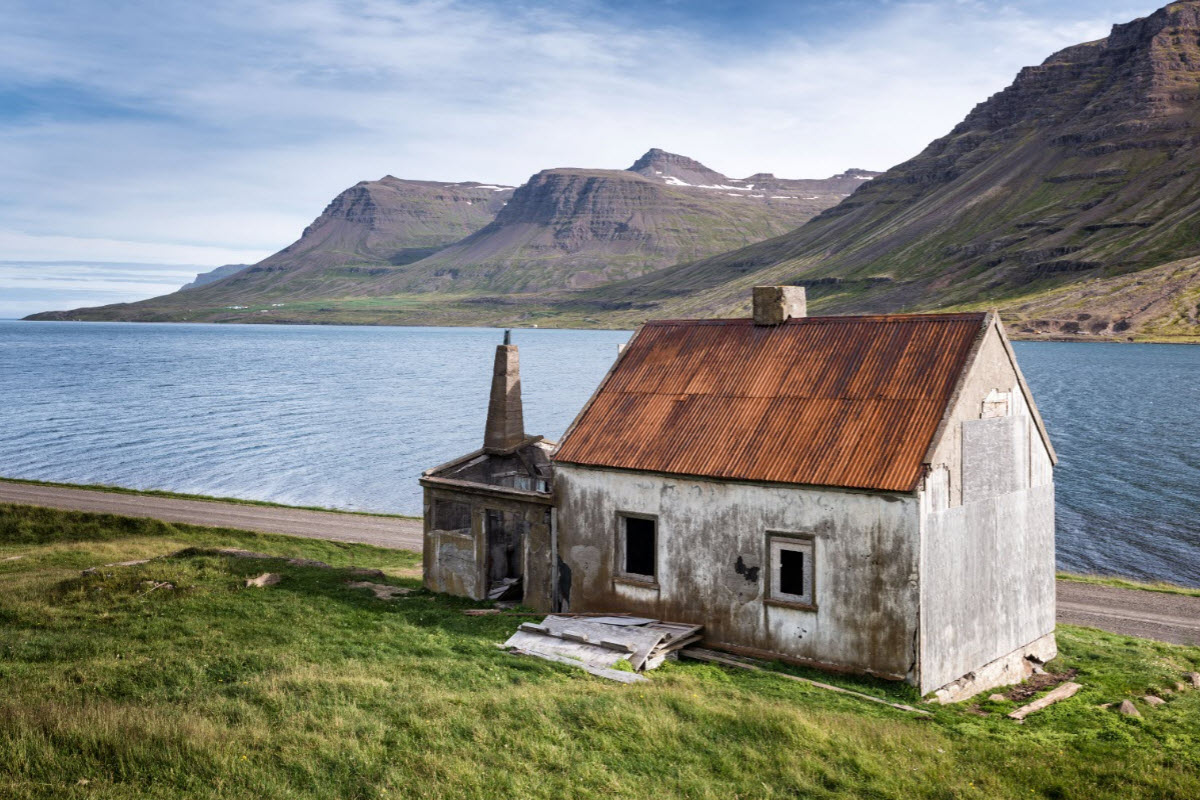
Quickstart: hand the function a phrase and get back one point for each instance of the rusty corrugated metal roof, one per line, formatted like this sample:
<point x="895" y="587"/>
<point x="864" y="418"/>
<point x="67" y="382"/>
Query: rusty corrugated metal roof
<point x="852" y="402"/>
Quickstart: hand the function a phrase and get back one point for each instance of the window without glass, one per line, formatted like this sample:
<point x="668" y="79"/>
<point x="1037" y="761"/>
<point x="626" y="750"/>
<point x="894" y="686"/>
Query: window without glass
<point x="791" y="570"/>
<point x="451" y="515"/>
<point x="639" y="546"/>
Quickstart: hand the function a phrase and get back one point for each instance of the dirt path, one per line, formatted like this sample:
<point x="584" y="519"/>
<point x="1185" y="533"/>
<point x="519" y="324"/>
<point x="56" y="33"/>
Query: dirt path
<point x="1150" y="615"/>
<point x="402" y="534"/>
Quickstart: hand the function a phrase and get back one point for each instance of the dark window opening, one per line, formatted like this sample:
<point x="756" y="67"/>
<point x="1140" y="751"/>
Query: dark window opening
<point x="791" y="572"/>
<point x="451" y="515"/>
<point x="639" y="546"/>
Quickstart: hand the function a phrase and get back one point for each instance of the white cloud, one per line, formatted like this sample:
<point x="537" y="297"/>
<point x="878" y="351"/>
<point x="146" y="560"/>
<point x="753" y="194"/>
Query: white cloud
<point x="213" y="133"/>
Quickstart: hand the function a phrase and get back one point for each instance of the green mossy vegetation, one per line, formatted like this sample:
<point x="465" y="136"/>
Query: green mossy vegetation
<point x="310" y="689"/>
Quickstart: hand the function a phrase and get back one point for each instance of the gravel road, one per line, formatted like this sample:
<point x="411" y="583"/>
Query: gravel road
<point x="1150" y="615"/>
<point x="399" y="533"/>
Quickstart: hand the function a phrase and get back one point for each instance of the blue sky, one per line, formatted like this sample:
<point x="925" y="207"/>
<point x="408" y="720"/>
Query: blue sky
<point x="154" y="135"/>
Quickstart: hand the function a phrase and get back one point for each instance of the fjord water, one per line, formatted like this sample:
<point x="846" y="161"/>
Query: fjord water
<point x="347" y="417"/>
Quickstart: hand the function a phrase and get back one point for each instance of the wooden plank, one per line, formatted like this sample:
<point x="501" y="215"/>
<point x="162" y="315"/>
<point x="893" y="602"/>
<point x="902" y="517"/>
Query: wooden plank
<point x="614" y="620"/>
<point x="599" y="672"/>
<point x="1061" y="692"/>
<point x="700" y="654"/>
<point x="642" y="638"/>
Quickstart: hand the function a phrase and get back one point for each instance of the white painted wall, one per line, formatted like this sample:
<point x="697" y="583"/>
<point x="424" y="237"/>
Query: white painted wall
<point x="712" y="556"/>
<point x="987" y="529"/>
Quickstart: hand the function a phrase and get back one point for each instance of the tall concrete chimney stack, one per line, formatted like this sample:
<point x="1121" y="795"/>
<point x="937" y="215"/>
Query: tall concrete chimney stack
<point x="775" y="305"/>
<point x="505" y="420"/>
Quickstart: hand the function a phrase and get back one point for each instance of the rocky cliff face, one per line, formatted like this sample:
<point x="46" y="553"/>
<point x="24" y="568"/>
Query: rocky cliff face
<point x="214" y="275"/>
<point x="394" y="221"/>
<point x="577" y="228"/>
<point x="367" y="231"/>
<point x="1086" y="169"/>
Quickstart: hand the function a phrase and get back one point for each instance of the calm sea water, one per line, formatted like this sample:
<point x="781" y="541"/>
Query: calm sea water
<point x="348" y="417"/>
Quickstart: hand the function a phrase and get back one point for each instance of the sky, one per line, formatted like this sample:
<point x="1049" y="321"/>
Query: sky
<point x="142" y="142"/>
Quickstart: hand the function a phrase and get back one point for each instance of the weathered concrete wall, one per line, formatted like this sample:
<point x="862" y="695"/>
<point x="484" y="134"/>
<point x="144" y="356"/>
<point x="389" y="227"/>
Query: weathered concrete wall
<point x="987" y="528"/>
<point x="712" y="558"/>
<point x="987" y="582"/>
<point x="455" y="562"/>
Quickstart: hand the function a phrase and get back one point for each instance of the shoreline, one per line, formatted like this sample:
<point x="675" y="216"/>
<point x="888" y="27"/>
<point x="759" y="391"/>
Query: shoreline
<point x="1094" y="579"/>
<point x="1016" y="337"/>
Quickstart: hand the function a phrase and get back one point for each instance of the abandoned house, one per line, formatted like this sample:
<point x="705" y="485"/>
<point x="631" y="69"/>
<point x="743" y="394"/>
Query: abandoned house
<point x="869" y="494"/>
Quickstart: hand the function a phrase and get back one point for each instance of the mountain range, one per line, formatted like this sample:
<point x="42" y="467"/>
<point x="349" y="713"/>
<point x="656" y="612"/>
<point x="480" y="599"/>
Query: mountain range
<point x="417" y="241"/>
<point x="1070" y="200"/>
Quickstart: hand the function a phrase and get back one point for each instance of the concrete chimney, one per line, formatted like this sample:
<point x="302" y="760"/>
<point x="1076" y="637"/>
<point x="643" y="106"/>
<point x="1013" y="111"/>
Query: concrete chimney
<point x="775" y="305"/>
<point x="505" y="420"/>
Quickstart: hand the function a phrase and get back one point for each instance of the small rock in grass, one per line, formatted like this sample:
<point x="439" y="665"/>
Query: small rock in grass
<point x="1180" y="686"/>
<point x="1194" y="679"/>
<point x="997" y="698"/>
<point x="367" y="573"/>
<point x="12" y="558"/>
<point x="1154" y="701"/>
<point x="381" y="590"/>
<point x="266" y="579"/>
<point x="1128" y="709"/>
<point x="1106" y="705"/>
<point x="155" y="585"/>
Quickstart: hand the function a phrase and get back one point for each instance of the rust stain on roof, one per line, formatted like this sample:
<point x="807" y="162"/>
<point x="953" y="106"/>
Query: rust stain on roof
<point x="852" y="402"/>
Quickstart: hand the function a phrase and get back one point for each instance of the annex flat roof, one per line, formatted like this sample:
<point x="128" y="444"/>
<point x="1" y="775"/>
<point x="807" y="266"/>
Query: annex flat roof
<point x="851" y="402"/>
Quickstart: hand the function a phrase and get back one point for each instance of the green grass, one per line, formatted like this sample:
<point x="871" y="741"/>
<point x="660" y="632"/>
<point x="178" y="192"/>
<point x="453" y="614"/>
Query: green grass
<point x="103" y="487"/>
<point x="309" y="689"/>
<point x="1127" y="583"/>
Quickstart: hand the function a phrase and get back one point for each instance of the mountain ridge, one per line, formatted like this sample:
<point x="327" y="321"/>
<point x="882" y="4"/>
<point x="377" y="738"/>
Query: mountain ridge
<point x="1085" y="169"/>
<point x="565" y="227"/>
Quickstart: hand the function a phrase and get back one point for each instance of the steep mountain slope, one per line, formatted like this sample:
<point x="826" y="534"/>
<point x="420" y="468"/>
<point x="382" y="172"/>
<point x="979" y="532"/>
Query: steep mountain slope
<point x="396" y="246"/>
<point x="1084" y="170"/>
<point x="367" y="230"/>
<point x="577" y="228"/>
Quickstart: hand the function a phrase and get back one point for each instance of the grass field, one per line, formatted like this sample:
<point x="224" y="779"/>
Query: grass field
<point x="311" y="689"/>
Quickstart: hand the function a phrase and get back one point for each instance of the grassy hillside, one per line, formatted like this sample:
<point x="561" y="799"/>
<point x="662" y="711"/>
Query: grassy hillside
<point x="312" y="689"/>
<point x="1071" y="200"/>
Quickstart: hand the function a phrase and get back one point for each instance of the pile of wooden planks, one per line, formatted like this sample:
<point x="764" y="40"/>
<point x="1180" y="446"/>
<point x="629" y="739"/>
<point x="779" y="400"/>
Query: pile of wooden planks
<point x="600" y="642"/>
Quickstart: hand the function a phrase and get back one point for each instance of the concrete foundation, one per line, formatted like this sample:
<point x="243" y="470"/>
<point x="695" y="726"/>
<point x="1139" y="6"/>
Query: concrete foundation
<point x="1007" y="670"/>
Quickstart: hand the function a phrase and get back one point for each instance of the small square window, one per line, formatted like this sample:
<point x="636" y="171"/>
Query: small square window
<point x="791" y="570"/>
<point x="638" y="547"/>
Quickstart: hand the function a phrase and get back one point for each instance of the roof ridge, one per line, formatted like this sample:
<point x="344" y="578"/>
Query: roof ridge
<point x="848" y="318"/>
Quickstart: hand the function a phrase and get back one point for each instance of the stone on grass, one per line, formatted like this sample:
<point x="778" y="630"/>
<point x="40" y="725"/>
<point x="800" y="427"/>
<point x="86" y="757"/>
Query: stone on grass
<point x="1194" y="679"/>
<point x="997" y="698"/>
<point x="365" y="572"/>
<point x="1154" y="701"/>
<point x="381" y="590"/>
<point x="1180" y="686"/>
<point x="266" y="579"/>
<point x="12" y="558"/>
<point x="1128" y="709"/>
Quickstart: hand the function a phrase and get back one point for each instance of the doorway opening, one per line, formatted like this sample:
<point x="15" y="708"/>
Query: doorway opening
<point x="505" y="532"/>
